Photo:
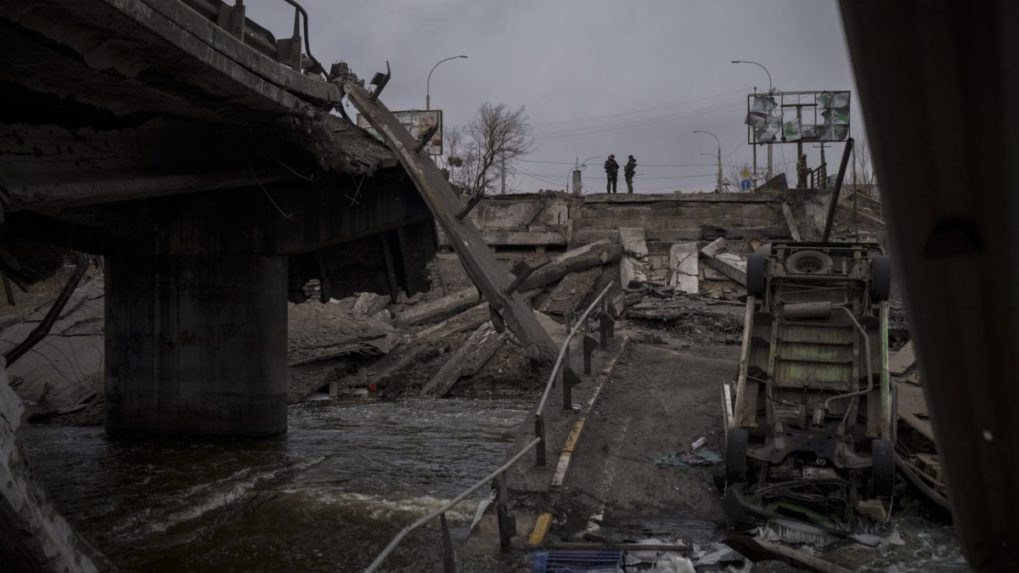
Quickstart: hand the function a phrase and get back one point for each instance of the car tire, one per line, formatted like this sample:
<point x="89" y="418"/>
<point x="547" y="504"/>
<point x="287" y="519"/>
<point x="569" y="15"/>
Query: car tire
<point x="882" y="471"/>
<point x="756" y="265"/>
<point x="880" y="278"/>
<point x="736" y="455"/>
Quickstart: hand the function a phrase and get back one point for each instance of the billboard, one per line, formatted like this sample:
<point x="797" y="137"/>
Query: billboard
<point x="792" y="117"/>
<point x="417" y="122"/>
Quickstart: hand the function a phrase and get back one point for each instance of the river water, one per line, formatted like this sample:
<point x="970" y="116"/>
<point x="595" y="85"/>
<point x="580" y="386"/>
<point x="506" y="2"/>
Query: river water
<point x="325" y="497"/>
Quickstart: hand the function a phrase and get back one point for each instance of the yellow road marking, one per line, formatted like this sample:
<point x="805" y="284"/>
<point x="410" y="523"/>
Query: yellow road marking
<point x="571" y="440"/>
<point x="541" y="526"/>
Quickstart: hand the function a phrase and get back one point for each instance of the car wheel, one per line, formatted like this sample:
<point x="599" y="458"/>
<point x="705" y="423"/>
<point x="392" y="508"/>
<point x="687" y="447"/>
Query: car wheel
<point x="755" y="274"/>
<point x="736" y="455"/>
<point x="880" y="278"/>
<point x="882" y="472"/>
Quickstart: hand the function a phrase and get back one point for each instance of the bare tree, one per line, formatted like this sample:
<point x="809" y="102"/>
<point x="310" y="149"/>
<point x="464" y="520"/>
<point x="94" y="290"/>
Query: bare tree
<point x="863" y="176"/>
<point x="489" y="146"/>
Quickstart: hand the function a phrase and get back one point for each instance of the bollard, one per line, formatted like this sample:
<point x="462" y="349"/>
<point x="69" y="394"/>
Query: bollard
<point x="539" y="432"/>
<point x="589" y="344"/>
<point x="448" y="557"/>
<point x="604" y="324"/>
<point x="507" y="523"/>
<point x="566" y="346"/>
<point x="570" y="379"/>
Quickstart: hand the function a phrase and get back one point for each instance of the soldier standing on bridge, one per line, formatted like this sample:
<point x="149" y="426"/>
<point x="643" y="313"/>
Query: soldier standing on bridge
<point x="612" y="172"/>
<point x="802" y="171"/>
<point x="628" y="173"/>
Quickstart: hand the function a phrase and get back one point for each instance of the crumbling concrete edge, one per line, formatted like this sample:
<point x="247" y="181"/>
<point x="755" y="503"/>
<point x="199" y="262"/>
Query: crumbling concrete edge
<point x="35" y="537"/>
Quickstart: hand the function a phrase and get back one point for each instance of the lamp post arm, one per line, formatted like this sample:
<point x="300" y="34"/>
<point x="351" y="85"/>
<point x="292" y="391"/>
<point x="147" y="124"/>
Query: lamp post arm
<point x="428" y="83"/>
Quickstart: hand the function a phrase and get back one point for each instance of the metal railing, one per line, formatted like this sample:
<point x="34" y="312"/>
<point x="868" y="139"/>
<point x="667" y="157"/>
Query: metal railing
<point x="506" y="523"/>
<point x="569" y="379"/>
<point x="449" y="505"/>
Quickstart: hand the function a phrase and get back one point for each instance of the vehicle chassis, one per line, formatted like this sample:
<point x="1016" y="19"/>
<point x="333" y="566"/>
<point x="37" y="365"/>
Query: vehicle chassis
<point x="809" y="421"/>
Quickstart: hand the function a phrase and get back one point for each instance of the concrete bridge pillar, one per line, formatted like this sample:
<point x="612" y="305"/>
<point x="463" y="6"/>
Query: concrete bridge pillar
<point x="196" y="345"/>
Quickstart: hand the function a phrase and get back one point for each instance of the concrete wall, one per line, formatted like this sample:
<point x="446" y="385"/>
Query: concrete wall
<point x="550" y="221"/>
<point x="561" y="219"/>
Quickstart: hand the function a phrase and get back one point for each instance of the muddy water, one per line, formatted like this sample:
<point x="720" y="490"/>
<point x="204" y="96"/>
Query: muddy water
<point x="326" y="497"/>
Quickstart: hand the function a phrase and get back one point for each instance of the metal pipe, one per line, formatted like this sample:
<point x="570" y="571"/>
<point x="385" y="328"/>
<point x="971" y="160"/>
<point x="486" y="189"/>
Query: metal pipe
<point x="838" y="189"/>
<point x="562" y="351"/>
<point x="870" y="368"/>
<point x="307" y="43"/>
<point x="406" y="530"/>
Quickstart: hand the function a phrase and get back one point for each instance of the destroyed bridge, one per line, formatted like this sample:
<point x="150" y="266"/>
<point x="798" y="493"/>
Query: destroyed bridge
<point x="198" y="155"/>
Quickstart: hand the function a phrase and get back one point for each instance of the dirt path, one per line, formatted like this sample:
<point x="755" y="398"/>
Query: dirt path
<point x="662" y="398"/>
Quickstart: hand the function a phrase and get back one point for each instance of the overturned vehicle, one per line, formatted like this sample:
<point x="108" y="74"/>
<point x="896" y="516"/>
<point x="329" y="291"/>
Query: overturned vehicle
<point x="809" y="420"/>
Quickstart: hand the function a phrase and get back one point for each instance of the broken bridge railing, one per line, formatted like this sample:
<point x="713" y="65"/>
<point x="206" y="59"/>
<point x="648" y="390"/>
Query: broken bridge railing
<point x="606" y="327"/>
<point x="507" y="525"/>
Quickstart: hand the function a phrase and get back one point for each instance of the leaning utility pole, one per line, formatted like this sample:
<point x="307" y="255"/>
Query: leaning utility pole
<point x="720" y="167"/>
<point x="507" y="306"/>
<point x="502" y="169"/>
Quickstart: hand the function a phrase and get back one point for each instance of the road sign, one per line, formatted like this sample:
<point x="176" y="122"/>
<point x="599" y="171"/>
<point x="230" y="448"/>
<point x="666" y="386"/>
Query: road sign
<point x="745" y="185"/>
<point x="745" y="173"/>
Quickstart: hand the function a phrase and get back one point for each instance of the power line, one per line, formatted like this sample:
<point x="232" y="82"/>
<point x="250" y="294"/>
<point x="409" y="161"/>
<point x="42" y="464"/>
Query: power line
<point x="547" y="162"/>
<point x="639" y="111"/>
<point x="641" y="123"/>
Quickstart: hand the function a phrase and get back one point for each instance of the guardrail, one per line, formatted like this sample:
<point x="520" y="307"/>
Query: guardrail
<point x="569" y="378"/>
<point x="441" y="512"/>
<point x="506" y="523"/>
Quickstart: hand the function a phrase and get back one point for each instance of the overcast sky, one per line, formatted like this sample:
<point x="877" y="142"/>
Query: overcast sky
<point x="596" y="77"/>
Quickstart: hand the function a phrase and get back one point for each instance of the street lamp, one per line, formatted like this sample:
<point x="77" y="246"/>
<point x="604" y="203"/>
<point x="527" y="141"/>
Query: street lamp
<point x="428" y="84"/>
<point x="771" y="90"/>
<point x="577" y="166"/>
<point x="719" y="155"/>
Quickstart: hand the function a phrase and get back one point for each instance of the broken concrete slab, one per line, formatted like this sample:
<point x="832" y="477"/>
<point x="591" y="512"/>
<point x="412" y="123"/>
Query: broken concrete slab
<point x="633" y="268"/>
<point x="36" y="537"/>
<point x="683" y="267"/>
<point x="575" y="260"/>
<point x="369" y="303"/>
<point x="790" y="221"/>
<point x="567" y="295"/>
<point x="729" y="265"/>
<point x="714" y="247"/>
<point x="465" y="361"/>
<point x="439" y="308"/>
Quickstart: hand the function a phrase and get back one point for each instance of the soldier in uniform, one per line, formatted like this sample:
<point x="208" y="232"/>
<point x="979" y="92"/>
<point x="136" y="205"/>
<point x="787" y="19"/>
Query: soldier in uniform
<point x="628" y="172"/>
<point x="612" y="172"/>
<point x="802" y="171"/>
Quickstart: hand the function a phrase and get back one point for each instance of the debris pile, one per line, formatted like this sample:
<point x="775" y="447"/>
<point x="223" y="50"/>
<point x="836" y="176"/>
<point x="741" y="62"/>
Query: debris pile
<point x="444" y="341"/>
<point x="693" y="288"/>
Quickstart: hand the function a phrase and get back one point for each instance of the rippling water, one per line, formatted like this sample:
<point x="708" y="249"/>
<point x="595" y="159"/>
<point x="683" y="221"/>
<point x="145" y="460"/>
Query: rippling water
<point x="325" y="497"/>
